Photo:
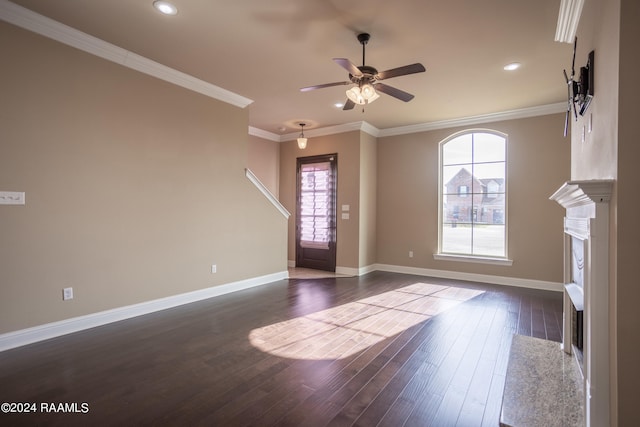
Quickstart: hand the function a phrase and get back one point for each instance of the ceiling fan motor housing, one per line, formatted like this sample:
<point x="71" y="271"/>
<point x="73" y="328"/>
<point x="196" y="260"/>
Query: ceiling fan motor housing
<point x="363" y="38"/>
<point x="368" y="74"/>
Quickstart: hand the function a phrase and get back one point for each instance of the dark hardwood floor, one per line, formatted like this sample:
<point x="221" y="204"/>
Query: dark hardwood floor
<point x="384" y="349"/>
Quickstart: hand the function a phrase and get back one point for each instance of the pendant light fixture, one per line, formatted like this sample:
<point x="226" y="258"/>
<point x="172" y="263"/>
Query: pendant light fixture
<point x="302" y="141"/>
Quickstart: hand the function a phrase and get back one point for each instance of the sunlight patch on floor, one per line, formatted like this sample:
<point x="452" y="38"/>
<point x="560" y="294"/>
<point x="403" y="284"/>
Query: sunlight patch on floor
<point x="342" y="331"/>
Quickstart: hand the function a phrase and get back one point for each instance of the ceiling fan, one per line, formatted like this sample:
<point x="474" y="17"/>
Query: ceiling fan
<point x="367" y="80"/>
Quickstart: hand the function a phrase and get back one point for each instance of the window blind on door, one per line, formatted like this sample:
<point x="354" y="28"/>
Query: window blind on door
<point x="316" y="189"/>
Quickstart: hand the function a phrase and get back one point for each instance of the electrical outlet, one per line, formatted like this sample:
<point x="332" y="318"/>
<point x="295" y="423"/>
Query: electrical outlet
<point x="67" y="294"/>
<point x="11" y="198"/>
<point x="410" y="254"/>
<point x="214" y="268"/>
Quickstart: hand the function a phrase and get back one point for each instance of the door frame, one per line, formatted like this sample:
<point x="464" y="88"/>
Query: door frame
<point x="331" y="252"/>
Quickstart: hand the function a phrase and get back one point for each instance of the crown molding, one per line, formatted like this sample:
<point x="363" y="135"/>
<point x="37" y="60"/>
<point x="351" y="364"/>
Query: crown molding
<point x="254" y="131"/>
<point x="333" y="130"/>
<point x="39" y="24"/>
<point x="568" y="20"/>
<point x="522" y="113"/>
<point x="370" y="129"/>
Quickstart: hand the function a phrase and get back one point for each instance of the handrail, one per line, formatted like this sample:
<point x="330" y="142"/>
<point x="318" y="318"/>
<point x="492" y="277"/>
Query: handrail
<point x="260" y="186"/>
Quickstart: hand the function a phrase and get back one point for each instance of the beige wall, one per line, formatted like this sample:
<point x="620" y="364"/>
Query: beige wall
<point x="628" y="206"/>
<point x="134" y="187"/>
<point x="391" y="184"/>
<point x="596" y="157"/>
<point x="612" y="150"/>
<point x="357" y="171"/>
<point x="538" y="163"/>
<point x="368" y="200"/>
<point x="263" y="159"/>
<point x="347" y="146"/>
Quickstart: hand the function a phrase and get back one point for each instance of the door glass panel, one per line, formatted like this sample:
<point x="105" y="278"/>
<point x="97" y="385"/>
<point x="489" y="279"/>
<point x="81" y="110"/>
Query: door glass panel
<point x="315" y="205"/>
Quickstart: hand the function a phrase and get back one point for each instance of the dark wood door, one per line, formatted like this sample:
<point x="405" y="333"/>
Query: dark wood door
<point x="317" y="179"/>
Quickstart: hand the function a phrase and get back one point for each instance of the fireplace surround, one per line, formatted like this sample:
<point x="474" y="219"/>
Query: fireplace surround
<point x="586" y="290"/>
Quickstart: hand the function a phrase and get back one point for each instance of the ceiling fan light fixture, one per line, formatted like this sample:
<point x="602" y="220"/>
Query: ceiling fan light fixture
<point x="355" y="96"/>
<point x="302" y="140"/>
<point x="366" y="79"/>
<point x="362" y="95"/>
<point x="369" y="93"/>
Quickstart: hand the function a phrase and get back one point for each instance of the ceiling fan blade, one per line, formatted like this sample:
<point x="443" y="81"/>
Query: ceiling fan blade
<point x="349" y="66"/>
<point x="348" y="105"/>
<point x="308" y="88"/>
<point x="401" y="71"/>
<point x="392" y="91"/>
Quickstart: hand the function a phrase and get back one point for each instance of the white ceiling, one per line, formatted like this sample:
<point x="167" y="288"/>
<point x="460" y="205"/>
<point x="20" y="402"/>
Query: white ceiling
<point x="267" y="50"/>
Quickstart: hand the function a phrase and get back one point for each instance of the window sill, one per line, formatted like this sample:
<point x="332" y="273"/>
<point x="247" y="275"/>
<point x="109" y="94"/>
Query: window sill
<point x="475" y="259"/>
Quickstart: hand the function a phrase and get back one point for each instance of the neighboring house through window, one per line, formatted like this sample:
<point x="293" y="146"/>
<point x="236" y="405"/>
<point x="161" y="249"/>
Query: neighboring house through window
<point x="472" y="220"/>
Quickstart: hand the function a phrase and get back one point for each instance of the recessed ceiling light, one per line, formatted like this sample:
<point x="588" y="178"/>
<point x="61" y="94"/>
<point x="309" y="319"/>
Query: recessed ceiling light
<point x="512" y="66"/>
<point x="165" y="7"/>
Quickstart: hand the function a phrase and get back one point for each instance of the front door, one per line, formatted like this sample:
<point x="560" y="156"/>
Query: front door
<point x="316" y="212"/>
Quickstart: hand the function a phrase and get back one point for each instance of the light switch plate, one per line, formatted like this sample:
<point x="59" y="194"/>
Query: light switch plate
<point x="11" y="197"/>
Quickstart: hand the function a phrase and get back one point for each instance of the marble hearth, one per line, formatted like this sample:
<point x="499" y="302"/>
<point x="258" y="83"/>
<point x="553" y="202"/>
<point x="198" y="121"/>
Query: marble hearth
<point x="543" y="386"/>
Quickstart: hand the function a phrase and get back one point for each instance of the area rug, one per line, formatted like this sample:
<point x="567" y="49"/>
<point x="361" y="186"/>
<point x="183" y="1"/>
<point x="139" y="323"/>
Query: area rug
<point x="308" y="273"/>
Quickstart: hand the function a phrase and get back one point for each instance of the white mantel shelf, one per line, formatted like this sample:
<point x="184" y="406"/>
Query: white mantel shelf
<point x="578" y="193"/>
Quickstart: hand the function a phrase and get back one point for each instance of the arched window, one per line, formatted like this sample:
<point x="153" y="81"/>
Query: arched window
<point x="473" y="197"/>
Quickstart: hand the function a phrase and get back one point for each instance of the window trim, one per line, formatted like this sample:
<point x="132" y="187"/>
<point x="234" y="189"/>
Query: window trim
<point x="473" y="259"/>
<point x="495" y="260"/>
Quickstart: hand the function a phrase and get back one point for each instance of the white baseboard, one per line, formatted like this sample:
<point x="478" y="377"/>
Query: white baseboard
<point x="350" y="271"/>
<point x="55" y="329"/>
<point x="472" y="277"/>
<point x="449" y="274"/>
<point x="51" y="330"/>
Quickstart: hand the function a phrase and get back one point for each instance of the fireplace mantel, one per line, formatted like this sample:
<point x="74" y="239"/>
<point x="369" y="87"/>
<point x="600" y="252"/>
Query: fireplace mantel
<point x="579" y="193"/>
<point x="586" y="227"/>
